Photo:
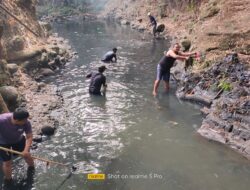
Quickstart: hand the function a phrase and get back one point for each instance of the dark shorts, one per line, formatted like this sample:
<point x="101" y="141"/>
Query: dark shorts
<point x="162" y="75"/>
<point x="19" y="146"/>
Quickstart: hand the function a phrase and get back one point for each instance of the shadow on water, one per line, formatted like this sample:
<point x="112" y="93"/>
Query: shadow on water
<point x="138" y="141"/>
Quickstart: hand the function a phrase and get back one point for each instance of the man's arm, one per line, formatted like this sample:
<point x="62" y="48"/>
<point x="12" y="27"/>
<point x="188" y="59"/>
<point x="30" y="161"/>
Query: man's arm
<point x="174" y="55"/>
<point x="89" y="75"/>
<point x="29" y="138"/>
<point x="187" y="54"/>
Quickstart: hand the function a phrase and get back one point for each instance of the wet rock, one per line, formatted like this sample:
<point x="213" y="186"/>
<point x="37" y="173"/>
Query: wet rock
<point x="12" y="68"/>
<point x="34" y="146"/>
<point x="44" y="60"/>
<point x="236" y="132"/>
<point x="29" y="65"/>
<point x="52" y="54"/>
<point x="10" y="96"/>
<point x="229" y="128"/>
<point x="48" y="130"/>
<point x="141" y="29"/>
<point x="245" y="135"/>
<point x="40" y="85"/>
<point x="38" y="138"/>
<point x="125" y="22"/>
<point x="46" y="72"/>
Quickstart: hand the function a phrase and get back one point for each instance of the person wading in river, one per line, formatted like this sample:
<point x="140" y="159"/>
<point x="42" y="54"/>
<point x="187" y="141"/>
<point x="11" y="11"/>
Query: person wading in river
<point x="12" y="128"/>
<point x="165" y="64"/>
<point x="152" y="23"/>
<point x="97" y="81"/>
<point x="110" y="56"/>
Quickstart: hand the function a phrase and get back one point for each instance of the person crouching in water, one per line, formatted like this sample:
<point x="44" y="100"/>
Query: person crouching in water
<point x="110" y="56"/>
<point x="12" y="129"/>
<point x="166" y="63"/>
<point x="97" y="81"/>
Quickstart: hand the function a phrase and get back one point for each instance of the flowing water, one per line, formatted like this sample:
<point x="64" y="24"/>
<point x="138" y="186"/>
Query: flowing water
<point x="138" y="141"/>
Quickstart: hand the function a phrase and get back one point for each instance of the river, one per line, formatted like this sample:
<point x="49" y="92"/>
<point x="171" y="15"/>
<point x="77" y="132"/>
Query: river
<point x="138" y="141"/>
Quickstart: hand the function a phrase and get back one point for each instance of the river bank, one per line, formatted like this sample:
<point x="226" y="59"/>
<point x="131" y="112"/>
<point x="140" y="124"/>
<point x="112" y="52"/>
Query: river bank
<point x="27" y="85"/>
<point x="28" y="55"/>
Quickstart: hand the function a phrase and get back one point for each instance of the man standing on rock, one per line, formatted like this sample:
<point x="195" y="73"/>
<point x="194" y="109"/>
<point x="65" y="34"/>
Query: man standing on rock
<point x="166" y="63"/>
<point x="97" y="81"/>
<point x="12" y="127"/>
<point x="152" y="23"/>
<point x="109" y="56"/>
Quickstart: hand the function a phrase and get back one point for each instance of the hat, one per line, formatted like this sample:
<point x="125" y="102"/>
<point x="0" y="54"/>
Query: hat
<point x="102" y="68"/>
<point x="149" y="13"/>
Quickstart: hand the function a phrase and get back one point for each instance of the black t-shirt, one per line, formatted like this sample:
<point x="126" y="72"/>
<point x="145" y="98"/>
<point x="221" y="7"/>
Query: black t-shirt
<point x="152" y="20"/>
<point x="97" y="80"/>
<point x="166" y="63"/>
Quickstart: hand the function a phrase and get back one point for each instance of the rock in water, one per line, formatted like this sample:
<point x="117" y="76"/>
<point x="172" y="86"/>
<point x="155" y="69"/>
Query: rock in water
<point x="46" y="72"/>
<point x="48" y="131"/>
<point x="160" y="28"/>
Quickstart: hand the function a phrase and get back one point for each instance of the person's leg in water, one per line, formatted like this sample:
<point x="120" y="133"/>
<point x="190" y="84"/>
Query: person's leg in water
<point x="7" y="170"/>
<point x="166" y="78"/>
<point x="154" y="30"/>
<point x="158" y="79"/>
<point x="20" y="147"/>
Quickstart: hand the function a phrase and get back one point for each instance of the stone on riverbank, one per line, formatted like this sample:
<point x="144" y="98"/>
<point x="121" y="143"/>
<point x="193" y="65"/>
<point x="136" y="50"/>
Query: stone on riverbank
<point x="10" y="96"/>
<point x="46" y="72"/>
<point x="12" y="68"/>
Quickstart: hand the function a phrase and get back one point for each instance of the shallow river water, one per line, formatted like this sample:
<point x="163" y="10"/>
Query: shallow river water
<point x="138" y="141"/>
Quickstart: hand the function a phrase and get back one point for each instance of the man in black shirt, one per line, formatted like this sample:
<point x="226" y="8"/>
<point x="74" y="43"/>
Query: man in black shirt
<point x="152" y="22"/>
<point x="97" y="81"/>
<point x="166" y="63"/>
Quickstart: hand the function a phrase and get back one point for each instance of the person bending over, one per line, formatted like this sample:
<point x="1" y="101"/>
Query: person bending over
<point x="110" y="56"/>
<point x="166" y="63"/>
<point x="152" y="23"/>
<point x="12" y="127"/>
<point x="97" y="81"/>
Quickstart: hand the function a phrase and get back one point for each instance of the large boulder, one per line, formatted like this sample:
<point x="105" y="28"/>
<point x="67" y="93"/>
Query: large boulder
<point x="10" y="96"/>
